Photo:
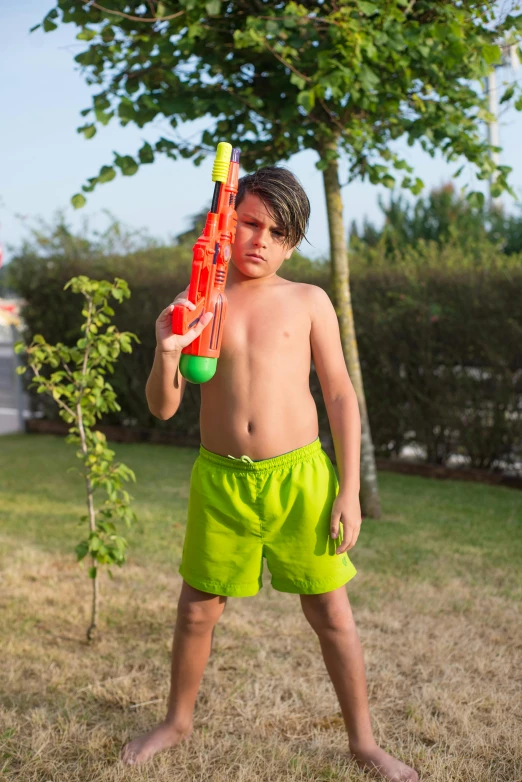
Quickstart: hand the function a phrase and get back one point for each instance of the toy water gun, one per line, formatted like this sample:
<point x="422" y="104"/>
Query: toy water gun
<point x="210" y="257"/>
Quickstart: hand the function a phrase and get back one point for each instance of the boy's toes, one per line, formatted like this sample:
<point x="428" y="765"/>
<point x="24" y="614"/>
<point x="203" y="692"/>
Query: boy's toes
<point x="383" y="765"/>
<point x="128" y="754"/>
<point x="142" y="748"/>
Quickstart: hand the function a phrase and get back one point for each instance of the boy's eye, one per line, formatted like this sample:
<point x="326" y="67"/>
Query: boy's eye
<point x="279" y="233"/>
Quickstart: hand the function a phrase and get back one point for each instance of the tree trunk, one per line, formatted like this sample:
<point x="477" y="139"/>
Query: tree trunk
<point x="92" y="631"/>
<point x="340" y="284"/>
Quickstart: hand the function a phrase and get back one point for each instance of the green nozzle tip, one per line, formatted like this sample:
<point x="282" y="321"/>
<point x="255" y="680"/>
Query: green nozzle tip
<point x="197" y="369"/>
<point x="222" y="162"/>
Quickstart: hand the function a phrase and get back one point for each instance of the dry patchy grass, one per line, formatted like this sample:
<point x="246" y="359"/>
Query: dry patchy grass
<point x="443" y="667"/>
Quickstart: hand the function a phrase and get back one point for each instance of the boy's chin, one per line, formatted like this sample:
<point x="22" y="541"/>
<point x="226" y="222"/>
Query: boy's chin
<point x="248" y="269"/>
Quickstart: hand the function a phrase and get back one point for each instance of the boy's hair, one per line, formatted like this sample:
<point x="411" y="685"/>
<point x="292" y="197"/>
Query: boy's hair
<point x="284" y="199"/>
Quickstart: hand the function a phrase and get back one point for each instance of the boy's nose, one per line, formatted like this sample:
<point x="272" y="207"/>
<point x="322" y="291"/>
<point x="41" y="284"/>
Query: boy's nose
<point x="261" y="238"/>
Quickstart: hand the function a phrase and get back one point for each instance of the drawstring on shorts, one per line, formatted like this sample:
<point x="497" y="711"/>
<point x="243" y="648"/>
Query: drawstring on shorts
<point x="242" y="459"/>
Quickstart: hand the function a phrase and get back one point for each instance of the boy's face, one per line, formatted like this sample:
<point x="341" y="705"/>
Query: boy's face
<point x="256" y="234"/>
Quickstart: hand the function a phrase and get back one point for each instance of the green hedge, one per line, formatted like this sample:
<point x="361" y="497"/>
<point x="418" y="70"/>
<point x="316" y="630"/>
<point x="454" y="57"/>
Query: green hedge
<point x="439" y="336"/>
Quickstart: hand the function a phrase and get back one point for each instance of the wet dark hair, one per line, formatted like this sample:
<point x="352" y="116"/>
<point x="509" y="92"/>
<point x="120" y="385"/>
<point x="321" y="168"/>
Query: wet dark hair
<point x="284" y="199"/>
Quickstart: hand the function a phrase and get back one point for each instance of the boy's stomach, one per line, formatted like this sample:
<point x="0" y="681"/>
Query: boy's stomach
<point x="267" y="425"/>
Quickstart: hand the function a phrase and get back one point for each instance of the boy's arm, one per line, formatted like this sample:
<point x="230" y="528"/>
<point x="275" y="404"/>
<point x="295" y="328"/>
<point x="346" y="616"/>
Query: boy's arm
<point x="165" y="386"/>
<point x="338" y="392"/>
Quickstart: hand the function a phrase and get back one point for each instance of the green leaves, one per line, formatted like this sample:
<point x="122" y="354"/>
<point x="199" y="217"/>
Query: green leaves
<point x="475" y="199"/>
<point x="86" y="34"/>
<point x="101" y="103"/>
<point x="213" y="7"/>
<point x="367" y="8"/>
<point x="47" y="23"/>
<point x="126" y="110"/>
<point x="306" y="99"/>
<point x="367" y="72"/>
<point x="369" y="79"/>
<point x="88" y="130"/>
<point x="78" y="201"/>
<point x="107" y="173"/>
<point x="83" y="395"/>
<point x="508" y="94"/>
<point x="145" y="154"/>
<point x="299" y="82"/>
<point x="491" y="54"/>
<point x="127" y="164"/>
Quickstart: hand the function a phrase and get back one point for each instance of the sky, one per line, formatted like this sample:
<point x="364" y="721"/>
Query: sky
<point x="44" y="161"/>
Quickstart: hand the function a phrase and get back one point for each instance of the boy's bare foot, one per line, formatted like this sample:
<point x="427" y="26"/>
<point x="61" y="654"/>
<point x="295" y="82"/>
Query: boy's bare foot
<point x="142" y="748"/>
<point x="384" y="765"/>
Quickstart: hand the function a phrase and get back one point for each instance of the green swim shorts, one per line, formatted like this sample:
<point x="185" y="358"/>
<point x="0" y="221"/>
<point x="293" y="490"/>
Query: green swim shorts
<point x="240" y="511"/>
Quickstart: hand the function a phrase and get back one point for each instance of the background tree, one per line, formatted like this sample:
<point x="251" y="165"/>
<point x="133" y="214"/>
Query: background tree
<point x="349" y="78"/>
<point x="444" y="217"/>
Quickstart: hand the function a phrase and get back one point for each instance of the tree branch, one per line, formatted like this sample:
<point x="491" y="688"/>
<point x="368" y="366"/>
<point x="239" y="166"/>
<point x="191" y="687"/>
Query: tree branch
<point x="281" y="59"/>
<point x="334" y="119"/>
<point x="298" y="18"/>
<point x="92" y="4"/>
<point x="59" y="401"/>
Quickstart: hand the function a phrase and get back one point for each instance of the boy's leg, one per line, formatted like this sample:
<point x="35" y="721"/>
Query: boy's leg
<point x="330" y="615"/>
<point x="197" y="615"/>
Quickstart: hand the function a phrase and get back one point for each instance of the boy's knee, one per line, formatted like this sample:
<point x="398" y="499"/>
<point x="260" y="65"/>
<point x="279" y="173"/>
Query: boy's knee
<point x="329" y="611"/>
<point x="199" y="609"/>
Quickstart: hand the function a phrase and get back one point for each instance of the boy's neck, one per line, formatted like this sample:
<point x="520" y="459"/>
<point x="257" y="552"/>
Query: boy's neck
<point x="238" y="281"/>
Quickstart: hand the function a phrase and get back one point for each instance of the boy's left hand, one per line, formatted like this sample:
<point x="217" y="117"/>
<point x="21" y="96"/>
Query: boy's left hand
<point x="347" y="510"/>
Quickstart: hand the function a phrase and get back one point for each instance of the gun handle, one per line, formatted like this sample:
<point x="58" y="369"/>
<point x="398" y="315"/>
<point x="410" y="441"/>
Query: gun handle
<point x="183" y="318"/>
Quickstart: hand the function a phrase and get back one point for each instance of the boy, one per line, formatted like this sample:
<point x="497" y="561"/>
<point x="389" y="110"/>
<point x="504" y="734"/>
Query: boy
<point x="262" y="486"/>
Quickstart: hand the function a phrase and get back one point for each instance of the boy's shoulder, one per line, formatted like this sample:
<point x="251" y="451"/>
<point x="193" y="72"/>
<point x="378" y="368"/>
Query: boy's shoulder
<point x="312" y="297"/>
<point x="316" y="297"/>
<point x="313" y="292"/>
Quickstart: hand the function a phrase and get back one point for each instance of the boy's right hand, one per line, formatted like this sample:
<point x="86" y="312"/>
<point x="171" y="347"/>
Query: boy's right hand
<point x="168" y="342"/>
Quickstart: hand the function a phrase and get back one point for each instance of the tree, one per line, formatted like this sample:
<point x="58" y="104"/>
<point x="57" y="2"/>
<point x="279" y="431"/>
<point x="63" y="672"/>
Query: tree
<point x="444" y="217"/>
<point x="349" y="78"/>
<point x="79" y="388"/>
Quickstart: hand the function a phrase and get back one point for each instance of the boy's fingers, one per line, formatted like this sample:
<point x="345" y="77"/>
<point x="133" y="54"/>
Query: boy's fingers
<point x="334" y="526"/>
<point x="202" y="322"/>
<point x="185" y="302"/>
<point x="345" y="545"/>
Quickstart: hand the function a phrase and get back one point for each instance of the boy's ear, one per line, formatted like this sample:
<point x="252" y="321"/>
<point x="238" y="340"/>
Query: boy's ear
<point x="289" y="253"/>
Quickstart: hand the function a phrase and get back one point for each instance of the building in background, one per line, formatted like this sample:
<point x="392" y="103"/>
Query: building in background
<point x="14" y="406"/>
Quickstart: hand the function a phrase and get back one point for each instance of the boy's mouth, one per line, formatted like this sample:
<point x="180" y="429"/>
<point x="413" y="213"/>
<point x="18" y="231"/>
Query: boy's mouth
<point x="255" y="257"/>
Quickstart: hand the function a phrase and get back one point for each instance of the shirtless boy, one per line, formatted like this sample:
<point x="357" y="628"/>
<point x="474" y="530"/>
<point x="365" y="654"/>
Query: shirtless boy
<point x="273" y="490"/>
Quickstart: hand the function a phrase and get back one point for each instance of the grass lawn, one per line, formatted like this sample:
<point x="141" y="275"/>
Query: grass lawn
<point x="437" y="602"/>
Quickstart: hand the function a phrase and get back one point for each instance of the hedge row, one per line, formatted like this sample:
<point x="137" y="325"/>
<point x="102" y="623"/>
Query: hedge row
<point x="439" y="337"/>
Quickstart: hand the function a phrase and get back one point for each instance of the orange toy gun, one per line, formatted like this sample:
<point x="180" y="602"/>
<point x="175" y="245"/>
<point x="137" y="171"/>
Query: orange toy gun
<point x="210" y="258"/>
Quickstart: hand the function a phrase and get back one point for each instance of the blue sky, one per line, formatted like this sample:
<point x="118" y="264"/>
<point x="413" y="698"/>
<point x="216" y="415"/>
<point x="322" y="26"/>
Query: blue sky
<point x="44" y="161"/>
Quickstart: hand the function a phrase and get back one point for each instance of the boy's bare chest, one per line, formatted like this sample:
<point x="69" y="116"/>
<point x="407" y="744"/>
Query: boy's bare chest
<point x="259" y="401"/>
<point x="267" y="326"/>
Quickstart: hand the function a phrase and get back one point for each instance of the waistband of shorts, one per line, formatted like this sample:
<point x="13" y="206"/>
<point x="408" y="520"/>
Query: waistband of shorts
<point x="285" y="460"/>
